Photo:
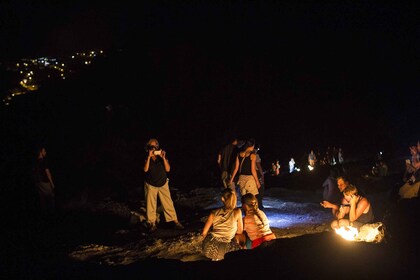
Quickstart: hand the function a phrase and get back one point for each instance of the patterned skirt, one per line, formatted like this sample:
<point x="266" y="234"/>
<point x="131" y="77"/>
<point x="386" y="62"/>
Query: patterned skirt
<point x="215" y="248"/>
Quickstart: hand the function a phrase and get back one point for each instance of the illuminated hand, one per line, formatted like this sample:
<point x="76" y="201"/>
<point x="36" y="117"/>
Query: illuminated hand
<point x="354" y="199"/>
<point x="326" y="204"/>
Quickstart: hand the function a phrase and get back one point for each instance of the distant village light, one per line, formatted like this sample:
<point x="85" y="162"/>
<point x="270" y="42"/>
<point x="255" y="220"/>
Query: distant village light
<point x="43" y="64"/>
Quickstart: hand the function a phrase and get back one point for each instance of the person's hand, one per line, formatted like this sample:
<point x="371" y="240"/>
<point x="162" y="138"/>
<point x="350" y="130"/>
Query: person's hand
<point x="151" y="153"/>
<point x="163" y="154"/>
<point x="354" y="199"/>
<point x="325" y="204"/>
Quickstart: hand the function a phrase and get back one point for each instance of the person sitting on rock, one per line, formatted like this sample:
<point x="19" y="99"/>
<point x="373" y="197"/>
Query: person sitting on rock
<point x="357" y="207"/>
<point x="256" y="225"/>
<point x="221" y="227"/>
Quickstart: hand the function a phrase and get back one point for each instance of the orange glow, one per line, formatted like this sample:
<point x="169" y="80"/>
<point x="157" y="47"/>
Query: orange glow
<point x="373" y="233"/>
<point x="348" y="233"/>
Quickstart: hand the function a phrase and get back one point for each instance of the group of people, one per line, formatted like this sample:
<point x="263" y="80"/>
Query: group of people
<point x="333" y="156"/>
<point x="349" y="206"/>
<point x="411" y="178"/>
<point x="275" y="168"/>
<point x="231" y="228"/>
<point x="240" y="166"/>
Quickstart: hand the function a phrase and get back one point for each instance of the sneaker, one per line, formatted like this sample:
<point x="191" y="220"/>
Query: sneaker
<point x="179" y="226"/>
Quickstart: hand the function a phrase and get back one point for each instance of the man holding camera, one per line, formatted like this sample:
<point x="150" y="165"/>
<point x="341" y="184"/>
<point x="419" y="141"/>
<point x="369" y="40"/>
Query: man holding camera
<point x="156" y="167"/>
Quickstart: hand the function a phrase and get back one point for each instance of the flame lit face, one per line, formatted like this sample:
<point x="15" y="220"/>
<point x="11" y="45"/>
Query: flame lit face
<point x="341" y="184"/>
<point x="42" y="153"/>
<point x="348" y="197"/>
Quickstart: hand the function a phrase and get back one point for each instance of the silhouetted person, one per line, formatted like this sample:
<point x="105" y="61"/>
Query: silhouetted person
<point x="331" y="191"/>
<point x="260" y="172"/>
<point x="44" y="181"/>
<point x="226" y="162"/>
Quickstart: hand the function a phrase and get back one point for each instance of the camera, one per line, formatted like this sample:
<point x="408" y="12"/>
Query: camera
<point x="158" y="152"/>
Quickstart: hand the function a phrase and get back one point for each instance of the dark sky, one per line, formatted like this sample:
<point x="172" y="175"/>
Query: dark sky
<point x="285" y="70"/>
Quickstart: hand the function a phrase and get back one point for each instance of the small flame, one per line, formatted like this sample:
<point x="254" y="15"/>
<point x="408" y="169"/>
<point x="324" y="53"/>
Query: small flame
<point x="347" y="232"/>
<point x="373" y="233"/>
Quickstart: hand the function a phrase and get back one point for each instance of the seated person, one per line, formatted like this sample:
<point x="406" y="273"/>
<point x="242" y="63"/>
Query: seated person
<point x="342" y="183"/>
<point x="256" y="226"/>
<point x="331" y="191"/>
<point x="221" y="228"/>
<point x="357" y="207"/>
<point x="412" y="166"/>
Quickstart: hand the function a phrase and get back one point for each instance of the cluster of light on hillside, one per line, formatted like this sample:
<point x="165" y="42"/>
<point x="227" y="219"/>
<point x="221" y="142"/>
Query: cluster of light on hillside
<point x="34" y="72"/>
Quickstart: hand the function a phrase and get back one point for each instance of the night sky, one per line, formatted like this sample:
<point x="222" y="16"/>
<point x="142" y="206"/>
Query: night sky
<point x="293" y="74"/>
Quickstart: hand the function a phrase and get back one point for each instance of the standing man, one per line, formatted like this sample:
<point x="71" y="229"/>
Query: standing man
<point x="292" y="165"/>
<point x="226" y="162"/>
<point x="312" y="159"/>
<point x="156" y="167"/>
<point x="44" y="181"/>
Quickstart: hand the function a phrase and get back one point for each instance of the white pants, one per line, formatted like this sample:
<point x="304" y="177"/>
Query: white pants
<point x="152" y="193"/>
<point x="247" y="184"/>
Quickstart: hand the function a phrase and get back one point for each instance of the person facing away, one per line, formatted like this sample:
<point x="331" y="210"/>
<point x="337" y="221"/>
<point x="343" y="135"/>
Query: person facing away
<point x="44" y="181"/>
<point x="222" y="227"/>
<point x="245" y="164"/>
<point x="226" y="161"/>
<point x="156" y="184"/>
<point x="256" y="225"/>
<point x="357" y="207"/>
